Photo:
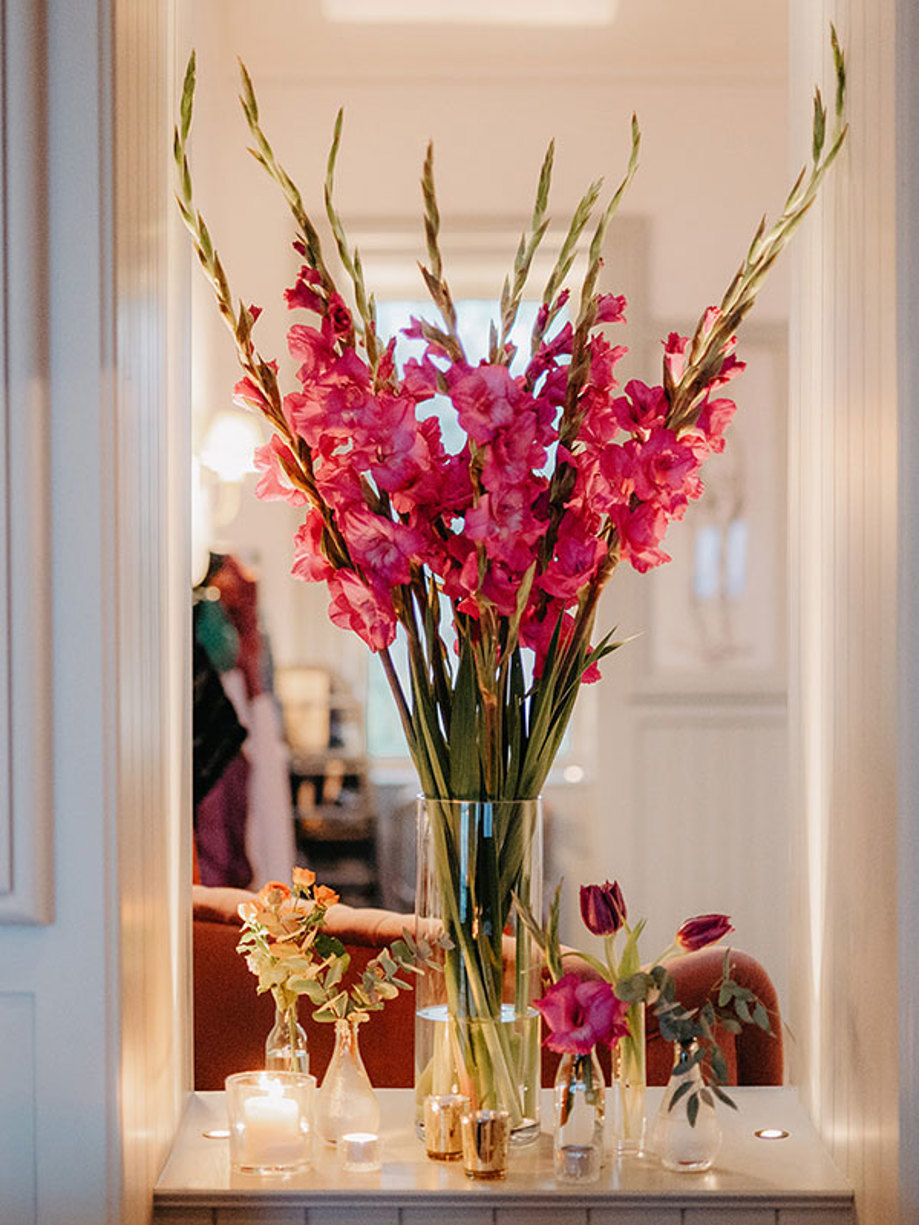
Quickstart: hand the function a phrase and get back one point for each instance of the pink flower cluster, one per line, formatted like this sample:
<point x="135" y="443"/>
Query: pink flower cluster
<point x="478" y="520"/>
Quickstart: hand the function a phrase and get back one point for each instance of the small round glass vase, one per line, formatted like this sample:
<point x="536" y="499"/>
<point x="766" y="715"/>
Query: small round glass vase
<point x="347" y="1103"/>
<point x="687" y="1137"/>
<point x="286" y="1035"/>
<point x="579" y="1114"/>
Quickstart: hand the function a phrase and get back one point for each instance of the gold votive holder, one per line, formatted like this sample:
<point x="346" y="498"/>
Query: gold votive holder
<point x="485" y="1139"/>
<point x="443" y="1135"/>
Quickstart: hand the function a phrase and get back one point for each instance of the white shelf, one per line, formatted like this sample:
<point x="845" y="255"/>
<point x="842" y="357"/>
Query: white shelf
<point x="782" y="1182"/>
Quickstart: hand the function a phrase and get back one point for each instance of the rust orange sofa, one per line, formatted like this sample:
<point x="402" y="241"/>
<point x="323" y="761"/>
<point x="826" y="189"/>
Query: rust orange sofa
<point x="231" y="1021"/>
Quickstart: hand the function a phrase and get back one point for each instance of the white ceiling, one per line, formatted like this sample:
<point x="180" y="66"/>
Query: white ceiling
<point x="647" y="38"/>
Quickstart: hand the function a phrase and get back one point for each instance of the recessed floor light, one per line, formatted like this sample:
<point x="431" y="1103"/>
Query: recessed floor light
<point x="771" y="1133"/>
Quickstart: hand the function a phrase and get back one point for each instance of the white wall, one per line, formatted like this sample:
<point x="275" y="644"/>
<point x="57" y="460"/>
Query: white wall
<point x="685" y="773"/>
<point x="844" y="576"/>
<point x="93" y="1004"/>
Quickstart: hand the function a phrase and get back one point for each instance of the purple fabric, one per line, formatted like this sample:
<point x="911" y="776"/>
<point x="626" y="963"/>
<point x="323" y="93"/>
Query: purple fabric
<point x="220" y="829"/>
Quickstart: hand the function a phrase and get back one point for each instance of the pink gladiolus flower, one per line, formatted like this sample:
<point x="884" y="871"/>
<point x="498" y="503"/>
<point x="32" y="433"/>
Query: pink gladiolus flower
<point x="611" y="308"/>
<point x="302" y="296"/>
<point x="310" y="563"/>
<point x="486" y="399"/>
<point x="713" y="420"/>
<point x="603" y="908"/>
<point x="247" y="395"/>
<point x="640" y="532"/>
<point x="675" y="354"/>
<point x="580" y="1014"/>
<point x="274" y="483"/>
<point x="379" y="546"/>
<point x="368" y="612"/>
<point x="703" y="930"/>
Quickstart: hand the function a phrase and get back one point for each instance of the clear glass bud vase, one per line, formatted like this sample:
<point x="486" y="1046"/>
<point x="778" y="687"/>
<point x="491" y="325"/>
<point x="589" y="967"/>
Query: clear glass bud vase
<point x="627" y="1111"/>
<point x="285" y="1046"/>
<point x="579" y="1115"/>
<point x="476" y="1030"/>
<point x="347" y="1102"/>
<point x="687" y="1136"/>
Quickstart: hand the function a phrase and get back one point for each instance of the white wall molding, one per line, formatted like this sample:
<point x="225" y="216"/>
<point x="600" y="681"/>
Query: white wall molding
<point x="25" y="701"/>
<point x="845" y="673"/>
<point x="907" y="54"/>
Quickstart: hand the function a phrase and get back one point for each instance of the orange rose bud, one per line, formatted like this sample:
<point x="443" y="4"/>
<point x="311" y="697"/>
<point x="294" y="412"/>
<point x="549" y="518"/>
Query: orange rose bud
<point x="325" y="896"/>
<point x="304" y="877"/>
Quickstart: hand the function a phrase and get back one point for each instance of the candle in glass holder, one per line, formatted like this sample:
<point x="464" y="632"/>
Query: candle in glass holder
<point x="269" y="1121"/>
<point x="485" y="1138"/>
<point x="443" y="1136"/>
<point x="361" y="1151"/>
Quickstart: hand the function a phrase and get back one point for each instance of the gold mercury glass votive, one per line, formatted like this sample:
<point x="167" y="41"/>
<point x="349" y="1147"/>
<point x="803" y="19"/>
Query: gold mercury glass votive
<point x="485" y="1138"/>
<point x="443" y="1137"/>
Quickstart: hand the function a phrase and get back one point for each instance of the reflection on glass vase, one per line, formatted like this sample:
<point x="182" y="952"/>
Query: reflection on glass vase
<point x="579" y="1113"/>
<point x="686" y="1133"/>
<point x="285" y="1046"/>
<point x="627" y="1107"/>
<point x="347" y="1102"/>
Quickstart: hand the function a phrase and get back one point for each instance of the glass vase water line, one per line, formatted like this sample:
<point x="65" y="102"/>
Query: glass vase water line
<point x="629" y="1081"/>
<point x="476" y="1030"/>
<point x="579" y="1118"/>
<point x="347" y="1102"/>
<point x="285" y="1047"/>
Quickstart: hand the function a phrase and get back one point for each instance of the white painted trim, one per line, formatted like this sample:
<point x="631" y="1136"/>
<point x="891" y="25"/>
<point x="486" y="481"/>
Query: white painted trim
<point x="905" y="56"/>
<point x="25" y="718"/>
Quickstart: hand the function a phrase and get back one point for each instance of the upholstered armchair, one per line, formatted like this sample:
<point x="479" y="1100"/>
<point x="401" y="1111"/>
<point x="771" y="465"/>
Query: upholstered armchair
<point x="231" y="1021"/>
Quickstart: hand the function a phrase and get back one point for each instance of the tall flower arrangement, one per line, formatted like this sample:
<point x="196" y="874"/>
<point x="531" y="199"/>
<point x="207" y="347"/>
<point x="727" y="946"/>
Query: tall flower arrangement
<point x="503" y="546"/>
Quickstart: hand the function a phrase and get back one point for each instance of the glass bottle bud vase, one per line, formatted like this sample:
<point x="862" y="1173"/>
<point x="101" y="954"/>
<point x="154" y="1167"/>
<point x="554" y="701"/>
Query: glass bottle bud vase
<point x="579" y="1114"/>
<point x="347" y="1102"/>
<point x="285" y="1046"/>
<point x="627" y="1113"/>
<point x="687" y="1134"/>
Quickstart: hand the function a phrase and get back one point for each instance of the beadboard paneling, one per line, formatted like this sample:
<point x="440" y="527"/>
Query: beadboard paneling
<point x="844" y="617"/>
<point x="710" y="826"/>
<point x="153" y="664"/>
<point x="17" y="1120"/>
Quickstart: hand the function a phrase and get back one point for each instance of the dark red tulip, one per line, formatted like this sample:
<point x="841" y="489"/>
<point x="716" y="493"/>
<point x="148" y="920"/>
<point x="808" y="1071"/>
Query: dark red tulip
<point x="704" y="929"/>
<point x="603" y="908"/>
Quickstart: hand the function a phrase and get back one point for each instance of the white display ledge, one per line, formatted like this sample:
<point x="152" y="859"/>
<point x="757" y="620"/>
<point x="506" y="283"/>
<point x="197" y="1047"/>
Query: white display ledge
<point x="754" y="1182"/>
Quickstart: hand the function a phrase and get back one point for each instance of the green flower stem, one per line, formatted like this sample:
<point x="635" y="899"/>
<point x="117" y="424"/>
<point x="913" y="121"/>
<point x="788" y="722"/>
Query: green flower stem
<point x="473" y="969"/>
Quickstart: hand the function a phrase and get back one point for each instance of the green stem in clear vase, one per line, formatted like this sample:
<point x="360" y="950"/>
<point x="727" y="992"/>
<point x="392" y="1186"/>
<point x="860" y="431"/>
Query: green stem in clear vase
<point x="629" y="1082"/>
<point x="472" y="856"/>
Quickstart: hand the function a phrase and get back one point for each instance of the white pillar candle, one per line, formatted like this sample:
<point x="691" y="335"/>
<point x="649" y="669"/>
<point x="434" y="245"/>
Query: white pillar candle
<point x="272" y="1135"/>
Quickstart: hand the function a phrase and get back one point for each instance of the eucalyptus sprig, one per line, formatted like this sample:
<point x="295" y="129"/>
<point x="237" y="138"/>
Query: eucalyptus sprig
<point x="379" y="981"/>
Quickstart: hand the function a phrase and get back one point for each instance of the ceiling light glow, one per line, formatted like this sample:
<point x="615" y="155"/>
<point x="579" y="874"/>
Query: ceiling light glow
<point x="472" y="12"/>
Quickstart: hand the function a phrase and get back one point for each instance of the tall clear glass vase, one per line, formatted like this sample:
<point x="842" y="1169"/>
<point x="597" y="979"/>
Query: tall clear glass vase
<point x="476" y="1030"/>
<point x="629" y="1080"/>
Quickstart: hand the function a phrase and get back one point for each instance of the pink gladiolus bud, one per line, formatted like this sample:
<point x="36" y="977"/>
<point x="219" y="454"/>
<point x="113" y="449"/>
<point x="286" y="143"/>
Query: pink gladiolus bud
<point x="581" y="1013"/>
<point x="703" y="930"/>
<point x="603" y="908"/>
